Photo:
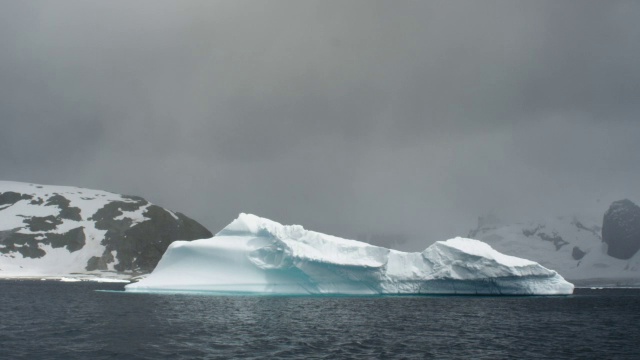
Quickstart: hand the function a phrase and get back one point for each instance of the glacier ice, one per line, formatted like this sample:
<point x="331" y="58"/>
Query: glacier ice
<point x="257" y="255"/>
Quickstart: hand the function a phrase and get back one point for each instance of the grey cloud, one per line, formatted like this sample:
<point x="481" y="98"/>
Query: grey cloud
<point x="348" y="117"/>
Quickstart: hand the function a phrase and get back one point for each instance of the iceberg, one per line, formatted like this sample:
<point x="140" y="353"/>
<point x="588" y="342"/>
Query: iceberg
<point x="255" y="255"/>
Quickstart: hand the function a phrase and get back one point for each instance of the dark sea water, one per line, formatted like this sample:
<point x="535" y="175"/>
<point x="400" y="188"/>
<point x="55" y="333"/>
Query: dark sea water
<point x="54" y="320"/>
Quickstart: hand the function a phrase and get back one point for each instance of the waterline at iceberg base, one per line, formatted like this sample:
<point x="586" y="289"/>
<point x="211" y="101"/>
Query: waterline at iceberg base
<point x="260" y="256"/>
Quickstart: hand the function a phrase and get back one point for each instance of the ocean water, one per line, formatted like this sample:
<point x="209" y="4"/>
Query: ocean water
<point x="55" y="320"/>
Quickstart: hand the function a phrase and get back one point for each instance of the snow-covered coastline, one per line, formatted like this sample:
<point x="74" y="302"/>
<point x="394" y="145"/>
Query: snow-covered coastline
<point x="49" y="231"/>
<point x="72" y="278"/>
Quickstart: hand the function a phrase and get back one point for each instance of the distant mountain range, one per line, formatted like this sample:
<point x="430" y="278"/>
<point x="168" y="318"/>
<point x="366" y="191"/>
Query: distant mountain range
<point x="574" y="245"/>
<point x="59" y="230"/>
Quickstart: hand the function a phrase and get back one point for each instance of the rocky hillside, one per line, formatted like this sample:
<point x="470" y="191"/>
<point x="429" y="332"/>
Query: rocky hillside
<point x="571" y="245"/>
<point x="58" y="230"/>
<point x="621" y="229"/>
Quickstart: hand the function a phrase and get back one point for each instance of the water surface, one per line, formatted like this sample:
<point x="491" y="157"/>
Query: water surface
<point x="55" y="320"/>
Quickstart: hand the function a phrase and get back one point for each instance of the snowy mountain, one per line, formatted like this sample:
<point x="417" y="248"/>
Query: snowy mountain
<point x="571" y="245"/>
<point x="257" y="255"/>
<point x="59" y="230"/>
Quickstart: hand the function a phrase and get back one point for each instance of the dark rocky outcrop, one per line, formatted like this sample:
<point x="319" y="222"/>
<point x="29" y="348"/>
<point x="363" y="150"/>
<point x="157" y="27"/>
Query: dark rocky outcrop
<point x="24" y="244"/>
<point x="66" y="211"/>
<point x="595" y="230"/>
<point x="10" y="197"/>
<point x="531" y="232"/>
<point x="45" y="223"/>
<point x="73" y="239"/>
<point x="140" y="246"/>
<point x="621" y="229"/>
<point x="28" y="244"/>
<point x="100" y="262"/>
<point x="577" y="253"/>
<point x="556" y="239"/>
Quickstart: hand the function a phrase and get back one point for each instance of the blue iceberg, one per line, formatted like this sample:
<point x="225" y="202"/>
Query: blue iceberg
<point x="259" y="256"/>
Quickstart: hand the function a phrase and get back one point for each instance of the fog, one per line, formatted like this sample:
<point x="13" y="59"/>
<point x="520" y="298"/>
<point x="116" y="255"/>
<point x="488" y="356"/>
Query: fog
<point x="407" y="118"/>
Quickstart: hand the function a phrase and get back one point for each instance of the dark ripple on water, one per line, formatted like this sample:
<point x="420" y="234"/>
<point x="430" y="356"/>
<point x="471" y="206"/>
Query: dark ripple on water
<point x="72" y="321"/>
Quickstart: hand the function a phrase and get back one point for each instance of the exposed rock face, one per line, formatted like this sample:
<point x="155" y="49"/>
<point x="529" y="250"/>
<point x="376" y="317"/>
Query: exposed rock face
<point x="140" y="246"/>
<point x="621" y="229"/>
<point x="65" y="230"/>
<point x="577" y="253"/>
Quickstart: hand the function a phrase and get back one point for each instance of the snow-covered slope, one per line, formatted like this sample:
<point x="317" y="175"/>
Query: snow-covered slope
<point x="58" y="230"/>
<point x="570" y="245"/>
<point x="257" y="255"/>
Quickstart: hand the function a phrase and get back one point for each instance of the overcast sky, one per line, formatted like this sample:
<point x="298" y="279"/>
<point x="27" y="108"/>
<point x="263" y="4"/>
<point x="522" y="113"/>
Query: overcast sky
<point x="348" y="117"/>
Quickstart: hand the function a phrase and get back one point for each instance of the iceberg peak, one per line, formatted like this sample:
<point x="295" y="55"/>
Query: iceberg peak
<point x="257" y="255"/>
<point x="251" y="224"/>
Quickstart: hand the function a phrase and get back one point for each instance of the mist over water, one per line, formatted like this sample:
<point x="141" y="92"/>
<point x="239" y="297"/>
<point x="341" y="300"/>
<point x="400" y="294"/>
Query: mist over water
<point x="74" y="321"/>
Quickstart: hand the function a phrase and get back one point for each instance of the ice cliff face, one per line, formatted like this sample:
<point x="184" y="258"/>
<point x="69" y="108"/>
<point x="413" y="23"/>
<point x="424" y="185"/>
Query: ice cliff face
<point x="57" y="230"/>
<point x="257" y="255"/>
